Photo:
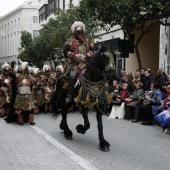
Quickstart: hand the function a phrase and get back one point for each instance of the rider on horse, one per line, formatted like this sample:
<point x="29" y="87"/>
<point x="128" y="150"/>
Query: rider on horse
<point x="79" y="51"/>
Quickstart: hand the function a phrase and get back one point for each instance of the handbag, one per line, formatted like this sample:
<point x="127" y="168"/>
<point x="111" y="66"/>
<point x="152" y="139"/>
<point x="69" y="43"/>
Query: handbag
<point x="114" y="102"/>
<point x="139" y="102"/>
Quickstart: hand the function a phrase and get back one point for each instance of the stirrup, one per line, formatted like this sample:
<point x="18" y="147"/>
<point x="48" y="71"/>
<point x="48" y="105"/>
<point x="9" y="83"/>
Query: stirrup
<point x="69" y="99"/>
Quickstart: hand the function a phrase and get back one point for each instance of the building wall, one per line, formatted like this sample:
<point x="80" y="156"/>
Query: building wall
<point x="149" y="50"/>
<point x="164" y="45"/>
<point x="11" y="26"/>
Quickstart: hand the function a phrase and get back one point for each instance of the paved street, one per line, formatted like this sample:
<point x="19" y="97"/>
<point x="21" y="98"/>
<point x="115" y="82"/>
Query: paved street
<point x="133" y="146"/>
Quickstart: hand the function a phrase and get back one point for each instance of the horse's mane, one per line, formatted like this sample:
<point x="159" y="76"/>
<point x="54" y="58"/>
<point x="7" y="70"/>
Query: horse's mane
<point x="99" y="52"/>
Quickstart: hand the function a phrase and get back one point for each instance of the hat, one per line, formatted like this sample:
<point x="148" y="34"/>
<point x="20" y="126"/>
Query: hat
<point x="24" y="65"/>
<point x="46" y="67"/>
<point x="60" y="68"/>
<point x="78" y="25"/>
<point x="16" y="68"/>
<point x="36" y="71"/>
<point x="6" y="66"/>
<point x="30" y="69"/>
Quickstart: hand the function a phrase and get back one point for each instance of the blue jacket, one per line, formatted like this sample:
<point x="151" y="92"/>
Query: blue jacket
<point x="155" y="98"/>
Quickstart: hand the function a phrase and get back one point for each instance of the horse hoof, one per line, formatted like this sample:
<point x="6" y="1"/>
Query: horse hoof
<point x="105" y="149"/>
<point x="104" y="146"/>
<point x="80" y="129"/>
<point x="68" y="137"/>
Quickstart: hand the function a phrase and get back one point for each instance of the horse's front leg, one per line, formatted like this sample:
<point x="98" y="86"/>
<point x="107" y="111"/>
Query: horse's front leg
<point x="80" y="128"/>
<point x="64" y="126"/>
<point x="104" y="145"/>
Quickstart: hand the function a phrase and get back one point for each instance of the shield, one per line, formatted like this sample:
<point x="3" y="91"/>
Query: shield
<point x="25" y="82"/>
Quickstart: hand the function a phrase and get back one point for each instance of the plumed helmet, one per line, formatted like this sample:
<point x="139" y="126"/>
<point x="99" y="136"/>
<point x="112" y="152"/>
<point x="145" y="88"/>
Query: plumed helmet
<point x="46" y="67"/>
<point x="16" y="68"/>
<point x="36" y="71"/>
<point x="60" y="68"/>
<point x="6" y="66"/>
<point x="24" y="65"/>
<point x="78" y="25"/>
<point x="30" y="69"/>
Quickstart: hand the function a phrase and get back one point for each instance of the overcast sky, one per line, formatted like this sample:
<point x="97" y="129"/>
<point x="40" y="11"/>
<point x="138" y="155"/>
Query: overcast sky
<point x="8" y="5"/>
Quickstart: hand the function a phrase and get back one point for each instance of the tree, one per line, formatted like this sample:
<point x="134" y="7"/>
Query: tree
<point x="27" y="50"/>
<point x="53" y="35"/>
<point x="141" y="15"/>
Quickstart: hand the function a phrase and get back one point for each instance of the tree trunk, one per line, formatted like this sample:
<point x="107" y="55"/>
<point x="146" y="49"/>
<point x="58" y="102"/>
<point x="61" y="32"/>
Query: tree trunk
<point x="138" y="56"/>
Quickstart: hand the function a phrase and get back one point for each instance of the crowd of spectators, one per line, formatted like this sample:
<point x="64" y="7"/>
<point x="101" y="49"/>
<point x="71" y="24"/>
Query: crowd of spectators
<point x="140" y="98"/>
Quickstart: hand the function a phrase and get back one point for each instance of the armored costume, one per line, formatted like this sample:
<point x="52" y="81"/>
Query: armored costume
<point x="49" y="87"/>
<point x="79" y="51"/>
<point x="23" y="102"/>
<point x="38" y="91"/>
<point x="5" y="89"/>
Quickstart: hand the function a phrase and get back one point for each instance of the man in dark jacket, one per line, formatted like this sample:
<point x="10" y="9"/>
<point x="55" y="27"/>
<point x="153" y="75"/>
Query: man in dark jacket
<point x="148" y="80"/>
<point x="161" y="77"/>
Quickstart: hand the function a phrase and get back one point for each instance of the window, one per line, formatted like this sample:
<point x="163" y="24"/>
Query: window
<point x="8" y="26"/>
<point x="0" y="29"/>
<point x="42" y="14"/>
<point x="5" y="27"/>
<point x="35" y="19"/>
<point x="15" y="23"/>
<point x="11" y="24"/>
<point x="18" y="21"/>
<point x="35" y="33"/>
<point x="50" y="7"/>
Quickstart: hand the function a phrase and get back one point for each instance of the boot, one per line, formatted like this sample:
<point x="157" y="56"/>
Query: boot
<point x="31" y="119"/>
<point x="20" y="120"/>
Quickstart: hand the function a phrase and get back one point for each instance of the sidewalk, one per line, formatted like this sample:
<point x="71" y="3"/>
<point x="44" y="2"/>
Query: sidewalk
<point x="22" y="148"/>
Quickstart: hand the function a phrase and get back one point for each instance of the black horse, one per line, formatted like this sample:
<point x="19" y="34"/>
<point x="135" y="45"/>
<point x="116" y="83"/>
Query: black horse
<point x="91" y="94"/>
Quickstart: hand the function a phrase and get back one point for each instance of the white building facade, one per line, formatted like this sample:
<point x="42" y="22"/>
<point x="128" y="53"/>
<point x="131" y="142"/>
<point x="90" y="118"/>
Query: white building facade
<point x="23" y="18"/>
<point x="164" y="53"/>
<point x="47" y="9"/>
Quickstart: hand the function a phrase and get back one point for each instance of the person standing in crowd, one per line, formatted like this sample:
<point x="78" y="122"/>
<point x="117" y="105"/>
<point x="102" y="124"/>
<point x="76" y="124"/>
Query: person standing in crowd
<point x="38" y="91"/>
<point x="5" y="89"/>
<point x="161" y="78"/>
<point x="142" y="75"/>
<point x="130" y="82"/>
<point x="11" y="116"/>
<point x="49" y="87"/>
<point x="124" y="78"/>
<point x="23" y="102"/>
<point x="79" y="50"/>
<point x="148" y="80"/>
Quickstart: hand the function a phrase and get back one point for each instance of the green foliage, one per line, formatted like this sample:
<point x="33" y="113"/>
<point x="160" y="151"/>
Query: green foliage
<point x="142" y="15"/>
<point x="54" y="34"/>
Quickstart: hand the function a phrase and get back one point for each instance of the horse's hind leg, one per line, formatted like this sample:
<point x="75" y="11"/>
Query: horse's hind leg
<point x="104" y="145"/>
<point x="64" y="126"/>
<point x="80" y="128"/>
